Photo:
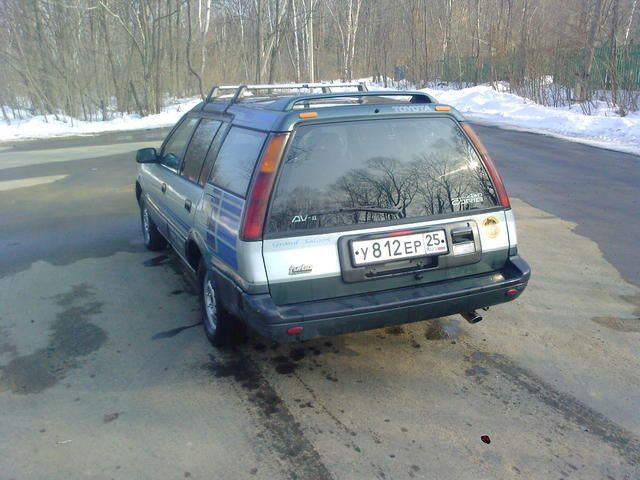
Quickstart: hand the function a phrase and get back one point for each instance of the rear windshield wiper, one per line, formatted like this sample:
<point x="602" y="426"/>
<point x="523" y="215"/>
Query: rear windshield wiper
<point x="365" y="208"/>
<point x="362" y="208"/>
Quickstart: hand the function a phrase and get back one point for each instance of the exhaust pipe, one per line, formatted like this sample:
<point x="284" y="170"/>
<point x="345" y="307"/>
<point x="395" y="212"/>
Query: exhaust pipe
<point x="471" y="317"/>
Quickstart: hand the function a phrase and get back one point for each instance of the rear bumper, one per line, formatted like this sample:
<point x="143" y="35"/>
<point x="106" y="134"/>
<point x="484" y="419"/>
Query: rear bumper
<point x="374" y="310"/>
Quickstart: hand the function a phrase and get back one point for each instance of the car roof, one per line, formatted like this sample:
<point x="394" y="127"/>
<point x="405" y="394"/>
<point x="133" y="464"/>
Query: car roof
<point x="281" y="108"/>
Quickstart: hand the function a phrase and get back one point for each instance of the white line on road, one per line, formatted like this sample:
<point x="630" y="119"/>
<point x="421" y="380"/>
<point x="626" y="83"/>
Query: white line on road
<point x="29" y="182"/>
<point x="13" y="159"/>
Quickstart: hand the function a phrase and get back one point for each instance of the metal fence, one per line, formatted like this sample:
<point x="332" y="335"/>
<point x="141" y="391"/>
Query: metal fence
<point x="559" y="65"/>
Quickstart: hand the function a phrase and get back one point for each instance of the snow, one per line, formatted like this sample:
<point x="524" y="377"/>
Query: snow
<point x="33" y="127"/>
<point x="603" y="128"/>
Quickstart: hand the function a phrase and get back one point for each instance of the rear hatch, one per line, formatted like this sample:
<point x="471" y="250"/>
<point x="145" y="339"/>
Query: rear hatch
<point x="369" y="205"/>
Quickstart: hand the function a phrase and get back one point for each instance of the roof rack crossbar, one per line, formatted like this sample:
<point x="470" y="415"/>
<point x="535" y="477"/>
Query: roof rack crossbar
<point x="296" y="86"/>
<point x="240" y="89"/>
<point x="415" y="97"/>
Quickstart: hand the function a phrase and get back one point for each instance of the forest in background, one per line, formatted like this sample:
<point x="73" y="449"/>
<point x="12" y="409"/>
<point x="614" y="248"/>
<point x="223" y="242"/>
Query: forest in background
<point x="92" y="58"/>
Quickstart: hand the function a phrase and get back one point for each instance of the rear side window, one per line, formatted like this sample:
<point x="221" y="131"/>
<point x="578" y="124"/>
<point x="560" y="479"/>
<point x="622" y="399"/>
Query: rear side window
<point x="237" y="158"/>
<point x="377" y="171"/>
<point x="198" y="147"/>
<point x="211" y="156"/>
<point x="176" y="145"/>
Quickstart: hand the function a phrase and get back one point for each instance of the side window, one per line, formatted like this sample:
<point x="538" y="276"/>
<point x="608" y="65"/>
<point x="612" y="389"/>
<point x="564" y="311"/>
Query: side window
<point x="174" y="149"/>
<point x="237" y="159"/>
<point x="212" y="154"/>
<point x="198" y="147"/>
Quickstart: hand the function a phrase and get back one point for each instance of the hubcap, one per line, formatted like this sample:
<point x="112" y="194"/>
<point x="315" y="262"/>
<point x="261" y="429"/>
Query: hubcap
<point x="145" y="225"/>
<point x="210" y="304"/>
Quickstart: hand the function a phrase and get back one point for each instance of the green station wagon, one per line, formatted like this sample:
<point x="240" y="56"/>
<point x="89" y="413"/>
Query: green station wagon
<point x="319" y="209"/>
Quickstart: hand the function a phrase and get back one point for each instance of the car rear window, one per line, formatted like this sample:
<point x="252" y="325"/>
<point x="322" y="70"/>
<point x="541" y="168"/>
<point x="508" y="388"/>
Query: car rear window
<point x="377" y="171"/>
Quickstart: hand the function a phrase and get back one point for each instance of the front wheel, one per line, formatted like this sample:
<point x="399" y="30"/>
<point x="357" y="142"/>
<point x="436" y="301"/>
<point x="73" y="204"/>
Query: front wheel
<point x="152" y="237"/>
<point x="221" y="328"/>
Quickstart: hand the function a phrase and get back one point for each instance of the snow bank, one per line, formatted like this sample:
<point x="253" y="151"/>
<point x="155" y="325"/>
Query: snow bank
<point x="39" y="127"/>
<point x="482" y="103"/>
<point x="602" y="128"/>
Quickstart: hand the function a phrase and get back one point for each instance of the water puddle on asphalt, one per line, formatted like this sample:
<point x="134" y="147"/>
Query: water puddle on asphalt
<point x="619" y="324"/>
<point x="156" y="261"/>
<point x="623" y="324"/>
<point x="282" y="435"/>
<point x="443" y="329"/>
<point x="72" y="337"/>
<point x="174" y="331"/>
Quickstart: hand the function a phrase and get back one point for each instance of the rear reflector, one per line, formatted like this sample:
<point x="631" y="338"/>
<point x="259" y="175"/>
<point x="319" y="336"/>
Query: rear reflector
<point x="295" y="330"/>
<point x="512" y="292"/>
<point x="260" y="191"/>
<point x="503" y="198"/>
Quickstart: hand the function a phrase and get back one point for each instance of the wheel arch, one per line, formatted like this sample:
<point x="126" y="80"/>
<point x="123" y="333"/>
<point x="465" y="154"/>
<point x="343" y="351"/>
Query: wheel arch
<point x="138" y="191"/>
<point x="194" y="250"/>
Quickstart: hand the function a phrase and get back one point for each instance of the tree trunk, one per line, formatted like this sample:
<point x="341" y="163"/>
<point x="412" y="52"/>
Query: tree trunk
<point x="582" y="84"/>
<point x="613" y="52"/>
<point x="189" y="37"/>
<point x="258" y="39"/>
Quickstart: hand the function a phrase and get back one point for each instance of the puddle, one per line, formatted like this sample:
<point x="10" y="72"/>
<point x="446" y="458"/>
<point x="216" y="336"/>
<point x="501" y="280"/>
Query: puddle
<point x="476" y="370"/>
<point x="286" y="368"/>
<point x="156" y="261"/>
<point x="110" y="417"/>
<point x="394" y="330"/>
<point x="72" y="337"/>
<point x="443" y="329"/>
<point x="623" y="324"/>
<point x="174" y="331"/>
<point x="8" y="349"/>
<point x="285" y="365"/>
<point x="619" y="324"/>
<point x="297" y="354"/>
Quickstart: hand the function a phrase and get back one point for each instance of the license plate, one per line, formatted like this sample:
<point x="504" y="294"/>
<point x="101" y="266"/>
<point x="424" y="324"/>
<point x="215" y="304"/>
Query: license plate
<point x="399" y="247"/>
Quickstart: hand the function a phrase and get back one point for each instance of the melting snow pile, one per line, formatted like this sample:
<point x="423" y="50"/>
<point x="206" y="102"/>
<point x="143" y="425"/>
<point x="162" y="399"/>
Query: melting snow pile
<point x="40" y="127"/>
<point x="482" y="103"/>
<point x="603" y="127"/>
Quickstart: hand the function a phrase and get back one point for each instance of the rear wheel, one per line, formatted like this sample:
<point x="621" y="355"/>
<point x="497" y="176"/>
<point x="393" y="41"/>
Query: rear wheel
<point x="152" y="237"/>
<point x="221" y="328"/>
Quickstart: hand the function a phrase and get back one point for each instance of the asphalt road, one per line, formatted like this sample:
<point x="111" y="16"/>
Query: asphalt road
<point x="105" y="372"/>
<point x="593" y="187"/>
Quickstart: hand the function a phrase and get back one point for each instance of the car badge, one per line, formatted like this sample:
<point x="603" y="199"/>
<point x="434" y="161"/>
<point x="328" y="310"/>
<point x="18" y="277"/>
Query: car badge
<point x="297" y="269"/>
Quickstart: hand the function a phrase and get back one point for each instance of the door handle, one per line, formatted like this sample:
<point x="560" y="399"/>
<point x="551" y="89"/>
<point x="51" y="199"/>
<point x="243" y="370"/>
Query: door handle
<point x="187" y="205"/>
<point x="163" y="187"/>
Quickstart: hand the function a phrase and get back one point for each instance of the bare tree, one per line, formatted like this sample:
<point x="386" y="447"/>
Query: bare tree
<point x="90" y="59"/>
<point x="589" y="47"/>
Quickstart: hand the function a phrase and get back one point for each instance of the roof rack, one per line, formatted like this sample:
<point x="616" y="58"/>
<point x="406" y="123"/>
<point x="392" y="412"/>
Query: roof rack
<point x="308" y="100"/>
<point x="239" y="90"/>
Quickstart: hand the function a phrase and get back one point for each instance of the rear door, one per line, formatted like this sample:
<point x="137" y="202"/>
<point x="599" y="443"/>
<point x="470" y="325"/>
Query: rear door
<point x="184" y="193"/>
<point x="371" y="205"/>
<point x="226" y="190"/>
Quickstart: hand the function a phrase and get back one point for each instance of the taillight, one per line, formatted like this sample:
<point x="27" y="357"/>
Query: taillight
<point x="260" y="191"/>
<point x="503" y="198"/>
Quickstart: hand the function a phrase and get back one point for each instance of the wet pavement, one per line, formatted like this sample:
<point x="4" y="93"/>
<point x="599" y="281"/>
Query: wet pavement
<point x="105" y="371"/>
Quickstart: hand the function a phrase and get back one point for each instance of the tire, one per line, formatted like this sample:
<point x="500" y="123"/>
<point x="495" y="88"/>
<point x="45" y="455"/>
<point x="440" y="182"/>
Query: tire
<point x="221" y="328"/>
<point x="151" y="236"/>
